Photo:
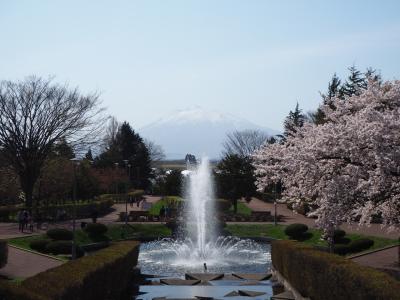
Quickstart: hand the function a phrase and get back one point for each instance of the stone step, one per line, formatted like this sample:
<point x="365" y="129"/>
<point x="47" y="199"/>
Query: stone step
<point x="286" y="295"/>
<point x="178" y="281"/>
<point x="254" y="277"/>
<point x="244" y="293"/>
<point x="203" y="276"/>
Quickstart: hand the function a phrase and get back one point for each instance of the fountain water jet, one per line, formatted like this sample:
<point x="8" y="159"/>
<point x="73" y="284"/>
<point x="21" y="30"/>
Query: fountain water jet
<point x="199" y="243"/>
<point x="199" y="210"/>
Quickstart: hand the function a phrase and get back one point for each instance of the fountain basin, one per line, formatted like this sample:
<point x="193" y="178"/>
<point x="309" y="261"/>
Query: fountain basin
<point x="175" y="258"/>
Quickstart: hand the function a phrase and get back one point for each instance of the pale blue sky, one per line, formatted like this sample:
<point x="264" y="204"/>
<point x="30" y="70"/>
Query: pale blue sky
<point x="253" y="59"/>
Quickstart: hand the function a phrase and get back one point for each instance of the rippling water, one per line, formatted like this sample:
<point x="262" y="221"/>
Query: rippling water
<point x="168" y="257"/>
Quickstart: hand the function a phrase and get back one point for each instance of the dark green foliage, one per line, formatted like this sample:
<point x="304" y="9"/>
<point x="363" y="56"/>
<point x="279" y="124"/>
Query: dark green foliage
<point x="89" y="155"/>
<point x="40" y="245"/>
<point x="338" y="235"/>
<point x="293" y="122"/>
<point x="60" y="234"/>
<point x="127" y="145"/>
<point x="360" y="245"/>
<point x="355" y="83"/>
<point x="107" y="275"/>
<point x="222" y="205"/>
<point x="173" y="183"/>
<point x="96" y="229"/>
<point x="3" y="253"/>
<point x="320" y="275"/>
<point x="59" y="247"/>
<point x="354" y="246"/>
<point x="296" y="231"/>
<point x="235" y="178"/>
<point x="341" y="249"/>
<point x="334" y="90"/>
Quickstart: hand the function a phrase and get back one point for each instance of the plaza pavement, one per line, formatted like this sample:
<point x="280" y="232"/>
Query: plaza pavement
<point x="23" y="264"/>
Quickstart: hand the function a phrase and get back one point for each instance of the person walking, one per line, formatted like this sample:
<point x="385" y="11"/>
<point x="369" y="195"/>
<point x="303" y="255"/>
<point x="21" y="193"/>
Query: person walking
<point x="162" y="213"/>
<point x="20" y="220"/>
<point x="30" y="222"/>
<point x="25" y="220"/>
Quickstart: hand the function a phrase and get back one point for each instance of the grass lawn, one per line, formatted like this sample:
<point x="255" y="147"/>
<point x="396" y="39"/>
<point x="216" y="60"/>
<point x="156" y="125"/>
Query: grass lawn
<point x="277" y="232"/>
<point x="242" y="209"/>
<point x="166" y="201"/>
<point x="115" y="232"/>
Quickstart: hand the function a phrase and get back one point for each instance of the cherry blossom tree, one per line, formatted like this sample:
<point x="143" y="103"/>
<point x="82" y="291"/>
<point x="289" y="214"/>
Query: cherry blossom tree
<point x="349" y="167"/>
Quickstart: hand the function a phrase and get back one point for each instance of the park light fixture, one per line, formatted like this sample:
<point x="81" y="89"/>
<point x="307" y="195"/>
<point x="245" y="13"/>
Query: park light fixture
<point x="75" y="162"/>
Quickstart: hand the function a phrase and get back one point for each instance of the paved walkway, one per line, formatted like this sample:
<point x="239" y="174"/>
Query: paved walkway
<point x="23" y="264"/>
<point x="386" y="259"/>
<point x="289" y="217"/>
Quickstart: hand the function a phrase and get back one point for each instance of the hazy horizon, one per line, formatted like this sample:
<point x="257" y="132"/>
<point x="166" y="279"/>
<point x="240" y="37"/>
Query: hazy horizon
<point x="252" y="59"/>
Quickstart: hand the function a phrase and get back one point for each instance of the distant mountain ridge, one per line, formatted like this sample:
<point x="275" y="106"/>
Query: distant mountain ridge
<point x="196" y="131"/>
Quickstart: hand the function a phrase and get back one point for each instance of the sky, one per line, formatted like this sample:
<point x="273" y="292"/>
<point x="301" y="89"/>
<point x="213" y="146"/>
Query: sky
<point x="253" y="59"/>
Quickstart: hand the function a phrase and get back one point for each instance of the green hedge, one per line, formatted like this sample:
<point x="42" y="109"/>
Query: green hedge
<point x="106" y="274"/>
<point x="320" y="275"/>
<point x="96" y="229"/>
<point x="354" y="246"/>
<point x="3" y="253"/>
<point x="83" y="209"/>
<point x="60" y="234"/>
<point x="296" y="231"/>
<point x="122" y="198"/>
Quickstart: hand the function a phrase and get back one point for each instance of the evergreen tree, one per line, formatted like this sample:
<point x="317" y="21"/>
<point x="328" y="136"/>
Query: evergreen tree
<point x="235" y="178"/>
<point x="334" y="90"/>
<point x="89" y="155"/>
<point x="293" y="121"/>
<point x="61" y="148"/>
<point x="128" y="148"/>
<point x="354" y="83"/>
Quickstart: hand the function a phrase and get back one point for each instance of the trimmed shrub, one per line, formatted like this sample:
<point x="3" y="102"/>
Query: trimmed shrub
<point x="339" y="234"/>
<point x="222" y="205"/>
<point x="107" y="274"/>
<point x="3" y="253"/>
<point x="39" y="245"/>
<point x="59" y="247"/>
<point x="314" y="272"/>
<point x="360" y="245"/>
<point x="341" y="249"/>
<point x="60" y="234"/>
<point x="96" y="229"/>
<point x="296" y="231"/>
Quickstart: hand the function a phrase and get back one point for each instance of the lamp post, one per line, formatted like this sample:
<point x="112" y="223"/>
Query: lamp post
<point x="126" y="200"/>
<point x="116" y="181"/>
<point x="75" y="162"/>
<point x="275" y="212"/>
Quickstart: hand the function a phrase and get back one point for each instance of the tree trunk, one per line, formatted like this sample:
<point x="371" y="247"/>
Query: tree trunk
<point x="331" y="242"/>
<point x="28" y="179"/>
<point x="235" y="204"/>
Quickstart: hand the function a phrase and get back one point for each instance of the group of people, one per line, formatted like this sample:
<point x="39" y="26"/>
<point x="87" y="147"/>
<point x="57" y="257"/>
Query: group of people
<point x="25" y="220"/>
<point x="164" y="212"/>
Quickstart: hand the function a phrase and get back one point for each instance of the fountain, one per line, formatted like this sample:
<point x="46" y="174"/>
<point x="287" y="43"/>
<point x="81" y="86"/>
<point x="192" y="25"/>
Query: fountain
<point x="199" y="248"/>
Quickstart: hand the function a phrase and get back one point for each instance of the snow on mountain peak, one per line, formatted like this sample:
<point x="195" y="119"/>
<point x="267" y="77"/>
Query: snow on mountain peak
<point x="197" y="131"/>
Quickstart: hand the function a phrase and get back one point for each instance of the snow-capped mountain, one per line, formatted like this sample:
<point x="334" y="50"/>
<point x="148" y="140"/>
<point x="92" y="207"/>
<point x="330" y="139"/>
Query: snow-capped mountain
<point x="196" y="131"/>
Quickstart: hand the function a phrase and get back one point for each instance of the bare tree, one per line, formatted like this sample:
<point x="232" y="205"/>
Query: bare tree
<point x="34" y="114"/>
<point x="156" y="151"/>
<point x="244" y="143"/>
<point x="111" y="131"/>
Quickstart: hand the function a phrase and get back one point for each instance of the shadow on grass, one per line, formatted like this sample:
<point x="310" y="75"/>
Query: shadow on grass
<point x="305" y="236"/>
